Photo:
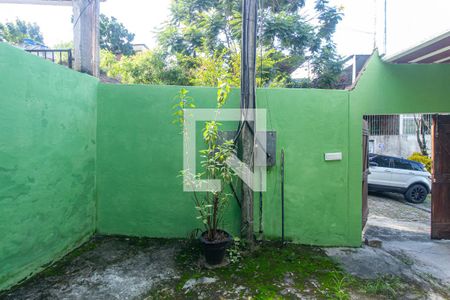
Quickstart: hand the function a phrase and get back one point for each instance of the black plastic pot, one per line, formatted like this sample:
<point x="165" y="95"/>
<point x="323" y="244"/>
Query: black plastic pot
<point x="214" y="251"/>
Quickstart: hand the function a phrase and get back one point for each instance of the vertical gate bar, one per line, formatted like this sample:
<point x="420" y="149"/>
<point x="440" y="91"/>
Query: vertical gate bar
<point x="70" y="58"/>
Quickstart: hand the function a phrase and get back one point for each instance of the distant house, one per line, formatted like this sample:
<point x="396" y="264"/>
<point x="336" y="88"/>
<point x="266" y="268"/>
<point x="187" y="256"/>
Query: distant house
<point x="352" y="67"/>
<point x="29" y="44"/>
<point x="396" y="134"/>
<point x="139" y="48"/>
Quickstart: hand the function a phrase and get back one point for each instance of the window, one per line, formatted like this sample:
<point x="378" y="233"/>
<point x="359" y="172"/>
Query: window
<point x="382" y="161"/>
<point x="417" y="167"/>
<point x="402" y="164"/>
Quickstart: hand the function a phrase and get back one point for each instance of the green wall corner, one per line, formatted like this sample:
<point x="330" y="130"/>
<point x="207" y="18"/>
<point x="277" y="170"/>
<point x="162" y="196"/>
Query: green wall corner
<point x="47" y="162"/>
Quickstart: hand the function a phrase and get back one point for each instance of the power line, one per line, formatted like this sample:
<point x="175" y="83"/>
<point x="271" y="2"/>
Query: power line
<point x="82" y="12"/>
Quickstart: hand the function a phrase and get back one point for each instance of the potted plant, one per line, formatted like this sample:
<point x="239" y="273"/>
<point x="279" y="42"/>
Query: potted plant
<point x="211" y="206"/>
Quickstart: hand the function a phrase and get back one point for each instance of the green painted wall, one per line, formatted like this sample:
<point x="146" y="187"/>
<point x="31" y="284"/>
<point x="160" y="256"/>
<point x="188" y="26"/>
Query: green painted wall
<point x="47" y="162"/>
<point x="390" y="89"/>
<point x="308" y="123"/>
<point x="140" y="153"/>
<point x="66" y="138"/>
<point x="140" y="156"/>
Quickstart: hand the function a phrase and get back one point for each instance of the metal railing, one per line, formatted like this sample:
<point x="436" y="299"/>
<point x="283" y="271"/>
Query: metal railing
<point x="410" y="125"/>
<point x="397" y="124"/>
<point x="383" y="124"/>
<point x="59" y="56"/>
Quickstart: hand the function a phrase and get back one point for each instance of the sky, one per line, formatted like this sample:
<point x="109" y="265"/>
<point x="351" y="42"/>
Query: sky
<point x="409" y="22"/>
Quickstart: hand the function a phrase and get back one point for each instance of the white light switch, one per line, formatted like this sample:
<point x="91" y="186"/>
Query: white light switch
<point x="333" y="156"/>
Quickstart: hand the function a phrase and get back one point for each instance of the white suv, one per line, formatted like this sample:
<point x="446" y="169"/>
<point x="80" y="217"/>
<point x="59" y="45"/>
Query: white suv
<point x="398" y="175"/>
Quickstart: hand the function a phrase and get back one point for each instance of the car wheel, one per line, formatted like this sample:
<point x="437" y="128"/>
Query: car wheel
<point x="417" y="193"/>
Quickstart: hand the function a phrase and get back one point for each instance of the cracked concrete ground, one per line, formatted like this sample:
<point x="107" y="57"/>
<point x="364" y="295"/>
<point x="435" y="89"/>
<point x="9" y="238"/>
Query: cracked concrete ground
<point x="117" y="268"/>
<point x="407" y="249"/>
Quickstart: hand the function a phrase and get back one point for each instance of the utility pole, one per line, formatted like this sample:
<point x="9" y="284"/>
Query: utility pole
<point x="86" y="35"/>
<point x="248" y="102"/>
<point x="85" y="31"/>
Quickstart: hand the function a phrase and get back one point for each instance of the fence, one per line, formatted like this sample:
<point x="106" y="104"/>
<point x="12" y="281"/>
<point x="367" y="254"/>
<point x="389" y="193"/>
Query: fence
<point x="397" y="124"/>
<point x="59" y="56"/>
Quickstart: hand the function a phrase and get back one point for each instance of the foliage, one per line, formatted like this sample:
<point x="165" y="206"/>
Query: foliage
<point x="235" y="251"/>
<point x="201" y="44"/>
<point x="150" y="67"/>
<point x="271" y="271"/>
<point x="115" y="37"/>
<point x="339" y="287"/>
<point x="156" y="67"/>
<point x="425" y="160"/>
<point x="63" y="45"/>
<point x="226" y="65"/>
<point x="15" y="32"/>
<point x="388" y="286"/>
<point x="207" y="69"/>
<point x="210" y="206"/>
<point x="183" y="101"/>
<point x="212" y="29"/>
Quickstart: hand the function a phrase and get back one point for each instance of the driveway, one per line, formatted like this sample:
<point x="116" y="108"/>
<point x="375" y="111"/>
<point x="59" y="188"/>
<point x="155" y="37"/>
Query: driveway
<point x="406" y="250"/>
<point x="391" y="218"/>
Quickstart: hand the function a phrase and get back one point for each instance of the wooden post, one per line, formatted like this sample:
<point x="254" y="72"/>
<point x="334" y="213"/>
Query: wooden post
<point x="248" y="91"/>
<point x="86" y="14"/>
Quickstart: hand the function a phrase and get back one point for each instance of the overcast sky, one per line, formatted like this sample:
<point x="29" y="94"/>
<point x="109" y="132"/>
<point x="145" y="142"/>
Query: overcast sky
<point x="409" y="21"/>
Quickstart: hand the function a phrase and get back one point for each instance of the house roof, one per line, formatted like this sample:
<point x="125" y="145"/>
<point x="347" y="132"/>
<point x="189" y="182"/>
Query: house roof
<point x="435" y="50"/>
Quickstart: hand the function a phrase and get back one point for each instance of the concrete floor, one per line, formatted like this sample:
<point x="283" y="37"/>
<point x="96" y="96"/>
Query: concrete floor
<point x="129" y="268"/>
<point x="117" y="268"/>
<point x="406" y="250"/>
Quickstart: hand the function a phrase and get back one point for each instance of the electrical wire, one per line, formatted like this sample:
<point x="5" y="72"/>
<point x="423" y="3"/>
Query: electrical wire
<point x="90" y="2"/>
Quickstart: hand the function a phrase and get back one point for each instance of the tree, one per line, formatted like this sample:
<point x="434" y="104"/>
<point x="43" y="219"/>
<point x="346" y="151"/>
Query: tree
<point x="203" y="27"/>
<point x="15" y="32"/>
<point x="422" y="129"/>
<point x="115" y="37"/>
<point x="150" y="67"/>
<point x="158" y="67"/>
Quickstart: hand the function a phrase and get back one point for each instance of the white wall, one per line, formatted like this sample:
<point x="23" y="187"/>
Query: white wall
<point x="396" y="145"/>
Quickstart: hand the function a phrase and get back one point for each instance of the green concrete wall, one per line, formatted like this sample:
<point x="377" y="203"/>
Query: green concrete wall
<point x="390" y="89"/>
<point x="308" y="123"/>
<point x="47" y="162"/>
<point x="139" y="152"/>
<point x="78" y="156"/>
<point x="140" y="156"/>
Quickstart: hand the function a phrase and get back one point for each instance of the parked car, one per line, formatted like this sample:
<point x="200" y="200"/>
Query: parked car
<point x="399" y="175"/>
